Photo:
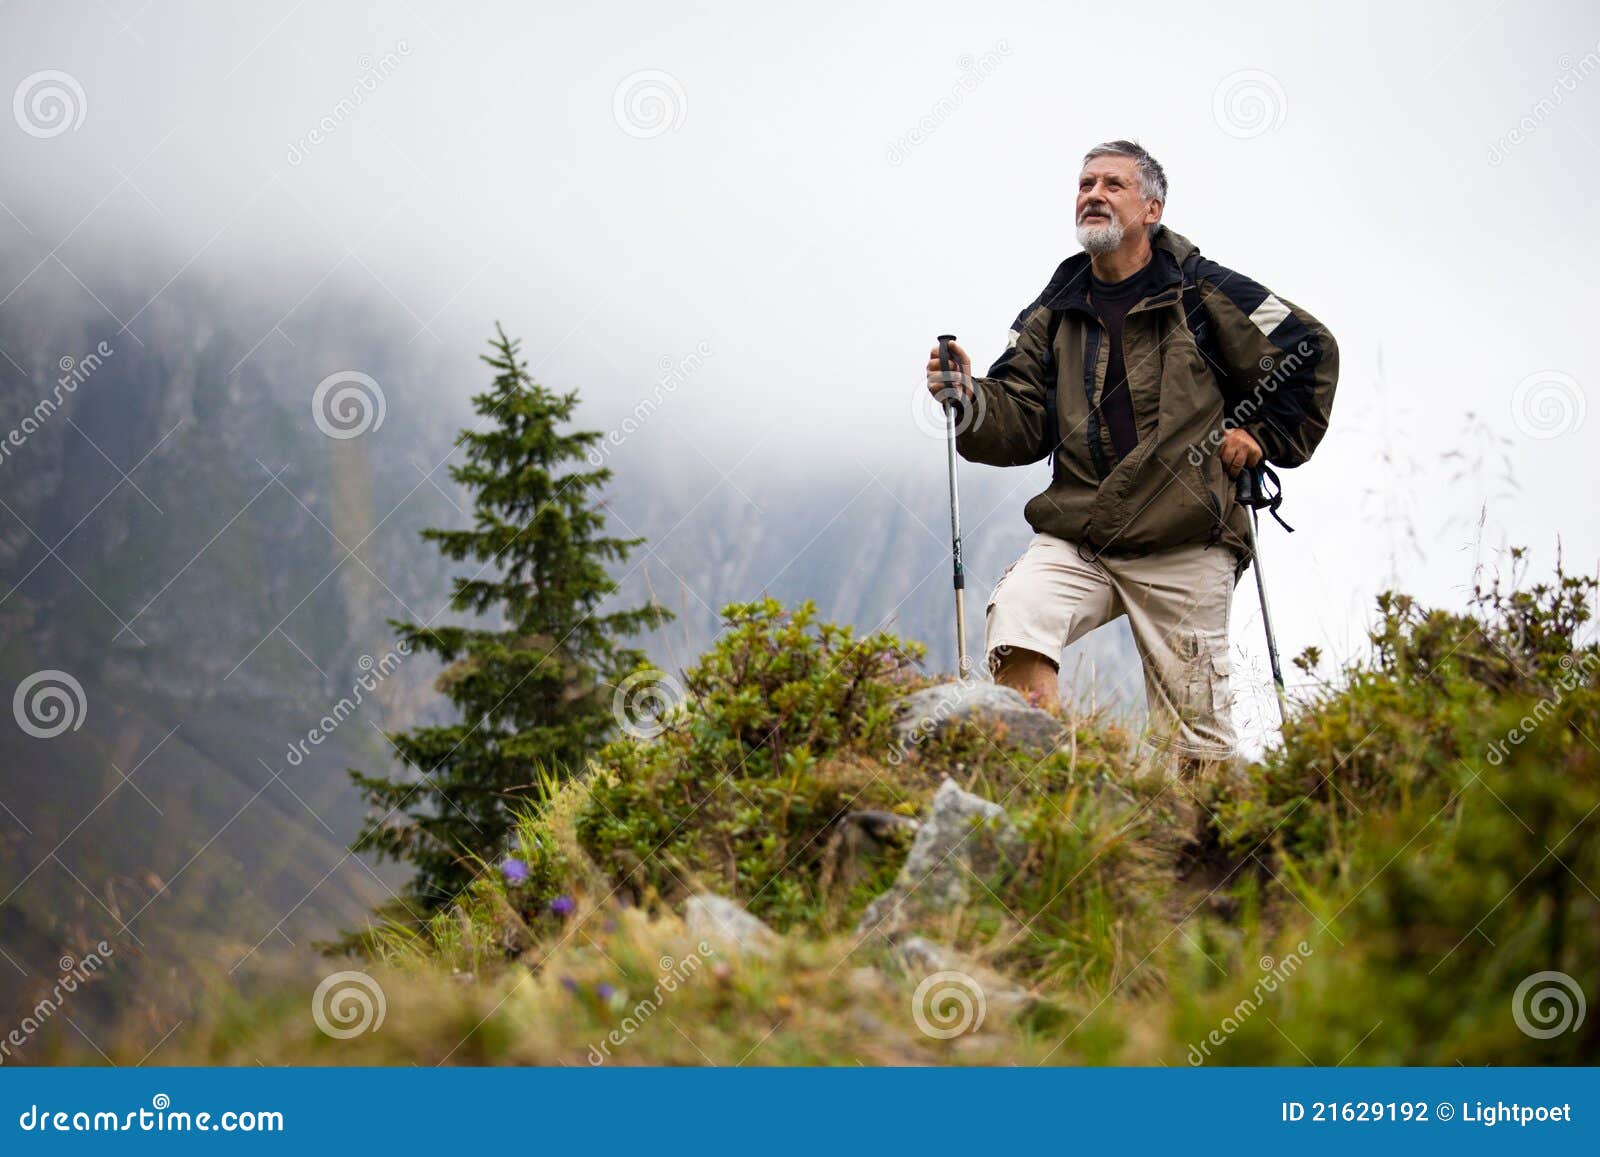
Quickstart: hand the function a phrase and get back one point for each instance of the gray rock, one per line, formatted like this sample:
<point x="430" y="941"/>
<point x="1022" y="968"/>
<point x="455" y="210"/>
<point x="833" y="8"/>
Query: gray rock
<point x="919" y="957"/>
<point x="997" y="709"/>
<point x="964" y="836"/>
<point x="919" y="954"/>
<point x="718" y="919"/>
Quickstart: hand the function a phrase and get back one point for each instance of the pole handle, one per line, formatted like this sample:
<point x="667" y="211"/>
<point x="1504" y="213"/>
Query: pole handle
<point x="944" y="367"/>
<point x="1246" y="486"/>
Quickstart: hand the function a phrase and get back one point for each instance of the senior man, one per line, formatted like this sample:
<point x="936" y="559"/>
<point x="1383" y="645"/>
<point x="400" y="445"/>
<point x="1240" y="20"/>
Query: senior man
<point x="1150" y="376"/>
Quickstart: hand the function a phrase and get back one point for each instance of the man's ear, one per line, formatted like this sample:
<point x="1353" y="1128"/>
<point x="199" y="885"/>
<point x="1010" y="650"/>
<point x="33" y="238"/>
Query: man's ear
<point x="1152" y="211"/>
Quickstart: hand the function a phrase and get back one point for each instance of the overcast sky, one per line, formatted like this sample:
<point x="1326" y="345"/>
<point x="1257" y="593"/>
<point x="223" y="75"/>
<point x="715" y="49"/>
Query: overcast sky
<point x="807" y="195"/>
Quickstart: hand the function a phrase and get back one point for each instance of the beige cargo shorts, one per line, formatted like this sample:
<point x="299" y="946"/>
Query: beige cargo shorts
<point x="1177" y="603"/>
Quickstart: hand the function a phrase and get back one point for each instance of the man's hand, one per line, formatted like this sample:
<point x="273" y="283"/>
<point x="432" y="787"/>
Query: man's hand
<point x="960" y="383"/>
<point x="1239" y="450"/>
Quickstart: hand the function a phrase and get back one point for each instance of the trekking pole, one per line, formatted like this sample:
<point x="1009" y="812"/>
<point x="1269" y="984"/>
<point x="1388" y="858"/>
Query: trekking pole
<point x="1250" y="496"/>
<point x="963" y="664"/>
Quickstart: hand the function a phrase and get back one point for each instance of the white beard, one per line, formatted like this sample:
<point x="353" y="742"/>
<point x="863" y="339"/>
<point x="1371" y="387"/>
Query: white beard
<point x="1100" y="236"/>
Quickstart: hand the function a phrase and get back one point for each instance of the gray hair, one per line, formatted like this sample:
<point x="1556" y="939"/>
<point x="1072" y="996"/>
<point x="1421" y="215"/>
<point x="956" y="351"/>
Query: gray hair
<point x="1152" y="177"/>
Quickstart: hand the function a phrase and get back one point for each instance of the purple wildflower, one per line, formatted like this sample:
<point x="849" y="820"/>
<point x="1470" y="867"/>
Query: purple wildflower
<point x="562" y="905"/>
<point x="569" y="984"/>
<point x="605" y="992"/>
<point x="514" y="869"/>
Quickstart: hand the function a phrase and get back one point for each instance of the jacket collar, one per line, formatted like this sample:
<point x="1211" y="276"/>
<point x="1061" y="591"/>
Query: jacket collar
<point x="1069" y="287"/>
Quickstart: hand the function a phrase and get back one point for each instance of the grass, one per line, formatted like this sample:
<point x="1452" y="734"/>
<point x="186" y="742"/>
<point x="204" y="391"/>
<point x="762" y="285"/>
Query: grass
<point x="1375" y="891"/>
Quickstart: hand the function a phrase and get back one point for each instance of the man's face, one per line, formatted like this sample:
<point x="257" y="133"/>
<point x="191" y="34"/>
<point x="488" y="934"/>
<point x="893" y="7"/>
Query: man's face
<point x="1111" y="203"/>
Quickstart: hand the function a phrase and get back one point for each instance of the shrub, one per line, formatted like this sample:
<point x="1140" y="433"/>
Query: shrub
<point x="774" y="744"/>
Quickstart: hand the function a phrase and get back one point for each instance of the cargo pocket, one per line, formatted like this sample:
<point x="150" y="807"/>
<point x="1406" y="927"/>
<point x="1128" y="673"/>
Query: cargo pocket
<point x="1206" y="702"/>
<point x="989" y="606"/>
<point x="1221" y="691"/>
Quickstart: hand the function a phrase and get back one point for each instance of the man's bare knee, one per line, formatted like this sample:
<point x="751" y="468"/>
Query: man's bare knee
<point x="1034" y="674"/>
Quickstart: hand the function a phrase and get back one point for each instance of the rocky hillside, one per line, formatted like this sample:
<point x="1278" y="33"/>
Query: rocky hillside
<point x="821" y="858"/>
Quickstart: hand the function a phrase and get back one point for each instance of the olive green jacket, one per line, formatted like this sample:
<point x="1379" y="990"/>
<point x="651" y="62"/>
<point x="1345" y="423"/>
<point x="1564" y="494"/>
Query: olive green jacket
<point x="1206" y="349"/>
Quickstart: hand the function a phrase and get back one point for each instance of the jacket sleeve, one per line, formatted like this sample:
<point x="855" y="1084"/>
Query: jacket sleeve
<point x="1006" y="425"/>
<point x="1283" y="362"/>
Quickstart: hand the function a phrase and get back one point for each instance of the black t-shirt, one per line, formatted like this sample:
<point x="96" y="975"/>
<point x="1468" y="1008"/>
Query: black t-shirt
<point x="1111" y="301"/>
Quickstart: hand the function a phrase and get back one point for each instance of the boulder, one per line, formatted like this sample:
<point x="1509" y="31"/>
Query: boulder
<point x="999" y="710"/>
<point x="920" y="958"/>
<point x="721" y="921"/>
<point x="963" y="836"/>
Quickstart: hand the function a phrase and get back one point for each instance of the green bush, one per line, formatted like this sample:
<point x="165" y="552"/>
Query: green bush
<point x="775" y="742"/>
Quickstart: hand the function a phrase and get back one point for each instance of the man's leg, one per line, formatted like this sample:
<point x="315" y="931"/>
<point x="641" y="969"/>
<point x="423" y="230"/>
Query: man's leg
<point x="1036" y="676"/>
<point x="1177" y="603"/>
<point x="1046" y="599"/>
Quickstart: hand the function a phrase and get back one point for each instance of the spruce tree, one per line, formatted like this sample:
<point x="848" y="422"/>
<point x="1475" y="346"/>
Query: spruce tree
<point x="533" y="686"/>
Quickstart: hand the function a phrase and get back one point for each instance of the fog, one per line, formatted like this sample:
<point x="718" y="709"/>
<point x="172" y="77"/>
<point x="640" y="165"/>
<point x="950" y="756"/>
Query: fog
<point x="802" y="198"/>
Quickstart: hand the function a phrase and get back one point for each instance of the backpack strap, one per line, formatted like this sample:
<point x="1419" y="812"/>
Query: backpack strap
<point x="1200" y="328"/>
<point x="1205" y="336"/>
